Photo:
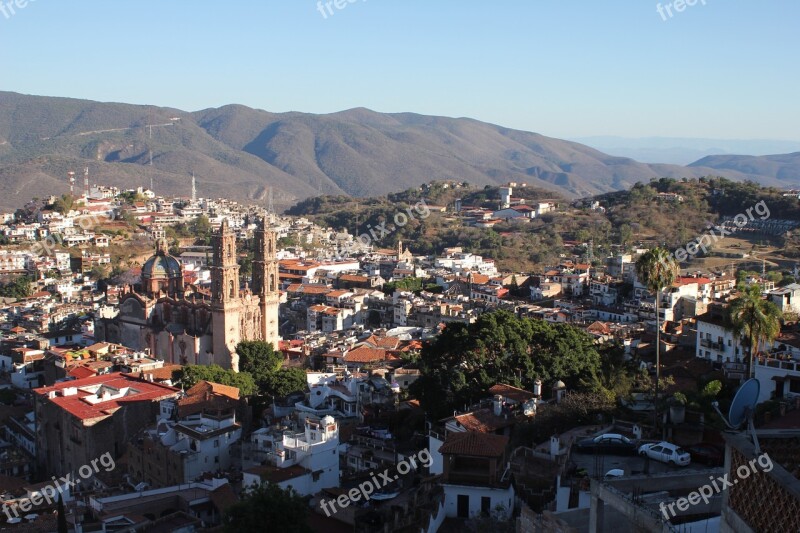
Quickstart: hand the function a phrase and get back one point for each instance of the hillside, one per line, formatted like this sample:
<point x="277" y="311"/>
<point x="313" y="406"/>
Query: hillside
<point x="784" y="167"/>
<point x="239" y="152"/>
<point x="631" y="218"/>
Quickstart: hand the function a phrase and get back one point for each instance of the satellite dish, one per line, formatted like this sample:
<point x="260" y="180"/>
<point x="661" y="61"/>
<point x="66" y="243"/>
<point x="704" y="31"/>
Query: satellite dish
<point x="743" y="408"/>
<point x="745" y="399"/>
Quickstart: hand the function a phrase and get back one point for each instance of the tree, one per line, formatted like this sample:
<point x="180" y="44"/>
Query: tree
<point x="259" y="358"/>
<point x="461" y="365"/>
<point x="409" y="284"/>
<point x="99" y="272"/>
<point x="19" y="288"/>
<point x="64" y="204"/>
<point x="200" y="228"/>
<point x="656" y="270"/>
<point x="284" y="382"/>
<point x="625" y="234"/>
<point x="190" y="375"/>
<point x="268" y="505"/>
<point x="755" y="319"/>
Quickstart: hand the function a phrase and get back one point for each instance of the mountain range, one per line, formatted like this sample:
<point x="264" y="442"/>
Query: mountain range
<point x="243" y="153"/>
<point x="682" y="150"/>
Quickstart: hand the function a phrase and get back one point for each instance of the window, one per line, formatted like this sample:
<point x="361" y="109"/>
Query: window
<point x="216" y="443"/>
<point x="794" y="386"/>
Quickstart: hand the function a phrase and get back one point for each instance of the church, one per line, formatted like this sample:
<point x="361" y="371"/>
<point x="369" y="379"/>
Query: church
<point x="191" y="325"/>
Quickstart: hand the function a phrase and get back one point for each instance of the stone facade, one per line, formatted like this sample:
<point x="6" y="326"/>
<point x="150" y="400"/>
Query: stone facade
<point x="187" y="325"/>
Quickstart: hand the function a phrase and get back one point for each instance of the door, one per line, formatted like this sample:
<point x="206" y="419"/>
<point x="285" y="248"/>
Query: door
<point x="486" y="506"/>
<point x="463" y="506"/>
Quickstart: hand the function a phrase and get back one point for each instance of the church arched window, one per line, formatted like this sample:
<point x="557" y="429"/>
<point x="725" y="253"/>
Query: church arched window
<point x="272" y="282"/>
<point x="231" y="289"/>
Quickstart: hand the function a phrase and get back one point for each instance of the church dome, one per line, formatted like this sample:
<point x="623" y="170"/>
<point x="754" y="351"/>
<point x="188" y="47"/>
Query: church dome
<point x="161" y="266"/>
<point x="162" y="272"/>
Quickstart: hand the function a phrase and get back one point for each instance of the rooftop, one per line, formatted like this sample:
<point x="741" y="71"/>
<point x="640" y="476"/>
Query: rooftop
<point x="474" y="444"/>
<point x="100" y="396"/>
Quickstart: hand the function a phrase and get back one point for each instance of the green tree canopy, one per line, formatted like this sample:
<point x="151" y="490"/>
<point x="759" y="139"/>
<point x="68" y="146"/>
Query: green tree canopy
<point x="190" y="375"/>
<point x="268" y="507"/>
<point x="407" y="284"/>
<point x="261" y="360"/>
<point x="19" y="288"/>
<point x="258" y="358"/>
<point x="466" y="360"/>
<point x="285" y="381"/>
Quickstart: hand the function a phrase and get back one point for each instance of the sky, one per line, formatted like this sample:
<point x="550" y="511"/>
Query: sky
<point x="716" y="69"/>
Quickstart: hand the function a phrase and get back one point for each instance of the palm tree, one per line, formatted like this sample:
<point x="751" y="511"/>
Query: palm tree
<point x="656" y="270"/>
<point x="755" y="319"/>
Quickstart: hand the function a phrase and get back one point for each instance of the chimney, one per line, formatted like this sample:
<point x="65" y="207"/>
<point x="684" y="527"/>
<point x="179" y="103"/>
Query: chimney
<point x="497" y="404"/>
<point x="555" y="446"/>
<point x="537" y="388"/>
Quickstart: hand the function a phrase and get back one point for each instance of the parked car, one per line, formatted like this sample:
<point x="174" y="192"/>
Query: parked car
<point x="607" y="443"/>
<point x="707" y="454"/>
<point x="666" y="452"/>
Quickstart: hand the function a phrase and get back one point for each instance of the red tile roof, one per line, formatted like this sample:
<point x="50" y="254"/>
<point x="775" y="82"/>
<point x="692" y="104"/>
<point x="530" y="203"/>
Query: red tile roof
<point x="512" y="393"/>
<point x="474" y="444"/>
<point x="203" y="387"/>
<point x="80" y="372"/>
<point x="79" y="407"/>
<point x="353" y="277"/>
<point x="365" y="354"/>
<point x="388" y="343"/>
<point x="483" y="420"/>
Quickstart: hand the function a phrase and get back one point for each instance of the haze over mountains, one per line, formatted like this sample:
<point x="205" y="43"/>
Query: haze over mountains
<point x="240" y="153"/>
<point x="682" y="150"/>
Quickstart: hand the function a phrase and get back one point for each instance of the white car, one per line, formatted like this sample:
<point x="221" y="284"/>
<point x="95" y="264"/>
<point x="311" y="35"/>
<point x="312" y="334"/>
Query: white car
<point x="666" y="453"/>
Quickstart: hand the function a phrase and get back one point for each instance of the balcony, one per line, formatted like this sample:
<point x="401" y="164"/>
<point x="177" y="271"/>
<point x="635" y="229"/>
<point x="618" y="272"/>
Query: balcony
<point x="783" y="364"/>
<point x="718" y="346"/>
<point x="470" y="478"/>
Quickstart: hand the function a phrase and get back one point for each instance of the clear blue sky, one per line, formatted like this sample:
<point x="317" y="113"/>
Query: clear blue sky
<point x="726" y="69"/>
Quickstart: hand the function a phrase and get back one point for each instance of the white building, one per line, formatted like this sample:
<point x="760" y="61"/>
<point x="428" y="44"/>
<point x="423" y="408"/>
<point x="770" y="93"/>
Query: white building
<point x="202" y="440"/>
<point x="307" y="461"/>
<point x="716" y="341"/>
<point x="787" y="298"/>
<point x="474" y="477"/>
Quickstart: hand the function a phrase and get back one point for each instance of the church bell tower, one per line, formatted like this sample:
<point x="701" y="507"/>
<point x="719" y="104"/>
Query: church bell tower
<point x="265" y="282"/>
<point x="226" y="304"/>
